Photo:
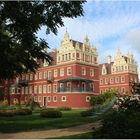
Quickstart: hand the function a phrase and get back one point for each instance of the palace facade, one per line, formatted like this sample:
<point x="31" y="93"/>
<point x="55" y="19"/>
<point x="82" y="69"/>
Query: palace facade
<point x="118" y="74"/>
<point x="71" y="79"/>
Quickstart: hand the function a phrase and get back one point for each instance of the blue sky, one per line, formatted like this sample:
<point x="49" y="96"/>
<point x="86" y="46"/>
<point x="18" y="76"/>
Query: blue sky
<point x="109" y="24"/>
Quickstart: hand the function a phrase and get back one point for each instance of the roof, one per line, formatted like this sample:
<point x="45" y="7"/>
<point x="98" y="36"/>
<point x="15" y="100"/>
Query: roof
<point x="108" y="68"/>
<point x="74" y="43"/>
<point x="75" y="78"/>
<point x="53" y="54"/>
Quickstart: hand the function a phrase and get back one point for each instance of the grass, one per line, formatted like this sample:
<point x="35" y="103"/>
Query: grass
<point x="35" y="122"/>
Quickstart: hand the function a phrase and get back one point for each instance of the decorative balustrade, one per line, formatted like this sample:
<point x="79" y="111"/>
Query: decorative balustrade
<point x="75" y="89"/>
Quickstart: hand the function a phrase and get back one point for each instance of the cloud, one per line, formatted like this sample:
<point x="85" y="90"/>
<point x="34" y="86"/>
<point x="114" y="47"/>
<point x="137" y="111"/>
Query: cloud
<point x="133" y="37"/>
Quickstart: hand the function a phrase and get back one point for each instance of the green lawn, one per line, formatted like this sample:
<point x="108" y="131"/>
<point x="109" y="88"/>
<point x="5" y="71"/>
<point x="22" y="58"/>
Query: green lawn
<point x="35" y="122"/>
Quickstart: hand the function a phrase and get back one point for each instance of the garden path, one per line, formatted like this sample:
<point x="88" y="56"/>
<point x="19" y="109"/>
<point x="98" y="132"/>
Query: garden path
<point x="52" y="133"/>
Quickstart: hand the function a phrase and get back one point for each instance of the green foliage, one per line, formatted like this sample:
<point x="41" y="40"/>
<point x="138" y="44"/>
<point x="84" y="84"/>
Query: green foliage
<point x="87" y="113"/>
<point x="23" y="112"/>
<point x="64" y="108"/>
<point x="123" y="122"/>
<point x="51" y="113"/>
<point x="19" y="23"/>
<point x="7" y="113"/>
<point x="102" y="98"/>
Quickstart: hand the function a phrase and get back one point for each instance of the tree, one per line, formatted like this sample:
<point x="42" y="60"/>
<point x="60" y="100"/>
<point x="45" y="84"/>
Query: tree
<point x="19" y="24"/>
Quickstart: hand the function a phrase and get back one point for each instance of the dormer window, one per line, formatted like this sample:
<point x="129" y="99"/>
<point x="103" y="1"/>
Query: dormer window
<point x="104" y="70"/>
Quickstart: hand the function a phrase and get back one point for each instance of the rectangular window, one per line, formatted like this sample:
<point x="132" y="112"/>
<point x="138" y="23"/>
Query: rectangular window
<point x="40" y="88"/>
<point x="35" y="89"/>
<point x="122" y="79"/>
<point x="49" y="75"/>
<point x="69" y="71"/>
<point x="62" y="72"/>
<point x="63" y="98"/>
<point x="55" y="73"/>
<point x="40" y="75"/>
<point x="111" y="81"/>
<point x="101" y="81"/>
<point x="106" y="81"/>
<point x="45" y="75"/>
<point x="35" y="98"/>
<point x="31" y="77"/>
<point x="23" y="77"/>
<point x="26" y="90"/>
<point x="27" y="76"/>
<point x="39" y="98"/>
<point x="44" y="89"/>
<point x="49" y="88"/>
<point x="117" y="79"/>
<point x="83" y="71"/>
<point x="22" y="90"/>
<point x="91" y="72"/>
<point x="30" y="90"/>
<point x="49" y="98"/>
<point x="36" y="76"/>
<point x="54" y="98"/>
<point x="55" y="88"/>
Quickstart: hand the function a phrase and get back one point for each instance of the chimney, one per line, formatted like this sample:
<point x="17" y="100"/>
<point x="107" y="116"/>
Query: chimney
<point x="109" y="59"/>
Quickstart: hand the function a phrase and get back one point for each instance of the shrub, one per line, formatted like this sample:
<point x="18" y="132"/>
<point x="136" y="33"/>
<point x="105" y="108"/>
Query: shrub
<point x="87" y="113"/>
<point x="7" y="113"/>
<point x="102" y="98"/>
<point x="23" y="112"/>
<point x="64" y="108"/>
<point x="51" y="113"/>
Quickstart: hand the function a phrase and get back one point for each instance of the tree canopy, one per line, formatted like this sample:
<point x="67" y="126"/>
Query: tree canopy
<point x="19" y="23"/>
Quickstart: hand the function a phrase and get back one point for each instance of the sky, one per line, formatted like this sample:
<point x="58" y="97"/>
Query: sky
<point x="109" y="24"/>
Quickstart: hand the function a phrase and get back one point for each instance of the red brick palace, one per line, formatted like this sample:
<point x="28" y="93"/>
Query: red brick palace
<point x="119" y="74"/>
<point x="69" y="81"/>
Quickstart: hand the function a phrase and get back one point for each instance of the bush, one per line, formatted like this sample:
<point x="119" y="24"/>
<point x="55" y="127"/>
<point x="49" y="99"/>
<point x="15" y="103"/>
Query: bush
<point x="7" y="113"/>
<point x="23" y="112"/>
<point x="64" y="108"/>
<point x="87" y="113"/>
<point x="51" y="113"/>
<point x="102" y="98"/>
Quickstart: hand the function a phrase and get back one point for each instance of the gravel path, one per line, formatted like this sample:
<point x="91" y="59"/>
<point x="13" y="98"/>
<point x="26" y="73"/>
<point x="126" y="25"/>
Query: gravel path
<point x="52" y="133"/>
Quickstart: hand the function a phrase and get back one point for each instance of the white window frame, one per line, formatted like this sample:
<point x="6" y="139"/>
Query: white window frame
<point x="40" y="75"/>
<point x="49" y="88"/>
<point x="116" y="79"/>
<point x="55" y="72"/>
<point x="91" y="72"/>
<point x="26" y="90"/>
<point x="101" y="81"/>
<point x="88" y="98"/>
<point x="65" y="99"/>
<point x="40" y="89"/>
<point x="22" y="90"/>
<point x="83" y="71"/>
<point x="54" y="88"/>
<point x="45" y="75"/>
<point x="122" y="79"/>
<point x="31" y="77"/>
<point x="62" y="72"/>
<point x="49" y="100"/>
<point x="69" y="69"/>
<point x="35" y="89"/>
<point x="27" y="76"/>
<point x="36" y="76"/>
<point x="44" y="89"/>
<point x="30" y="89"/>
<point x="39" y="98"/>
<point x="54" y="98"/>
